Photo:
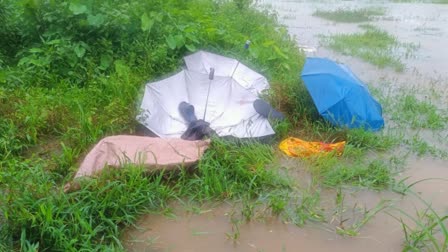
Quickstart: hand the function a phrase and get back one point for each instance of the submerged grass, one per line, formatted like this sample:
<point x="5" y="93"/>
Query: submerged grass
<point x="427" y="230"/>
<point x="350" y="15"/>
<point x="418" y="118"/>
<point x="372" y="45"/>
<point x="418" y="114"/>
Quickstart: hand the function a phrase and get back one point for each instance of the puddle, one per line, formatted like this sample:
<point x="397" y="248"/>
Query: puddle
<point x="421" y="24"/>
<point x="209" y="231"/>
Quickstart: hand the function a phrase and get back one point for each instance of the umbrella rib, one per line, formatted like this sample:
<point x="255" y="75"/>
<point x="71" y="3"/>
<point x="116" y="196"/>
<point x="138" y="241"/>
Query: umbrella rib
<point x="234" y="70"/>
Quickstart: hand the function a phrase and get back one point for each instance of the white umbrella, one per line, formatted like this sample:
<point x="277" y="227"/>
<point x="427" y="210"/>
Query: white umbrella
<point x="227" y="99"/>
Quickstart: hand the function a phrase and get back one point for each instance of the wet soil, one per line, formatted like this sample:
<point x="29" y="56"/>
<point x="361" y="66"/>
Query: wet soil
<point x="211" y="230"/>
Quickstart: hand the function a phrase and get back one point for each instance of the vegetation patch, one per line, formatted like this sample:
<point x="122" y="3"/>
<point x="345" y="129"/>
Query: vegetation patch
<point x="372" y="45"/>
<point x="347" y="15"/>
<point x="418" y="114"/>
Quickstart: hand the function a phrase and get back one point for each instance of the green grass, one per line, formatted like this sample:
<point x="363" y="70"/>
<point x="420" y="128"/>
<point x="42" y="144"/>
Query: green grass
<point x="418" y="114"/>
<point x="429" y="235"/>
<point x="42" y="215"/>
<point x="426" y="230"/>
<point x="350" y="15"/>
<point x="371" y="45"/>
<point x="376" y="175"/>
<point x="417" y="118"/>
<point x="230" y="171"/>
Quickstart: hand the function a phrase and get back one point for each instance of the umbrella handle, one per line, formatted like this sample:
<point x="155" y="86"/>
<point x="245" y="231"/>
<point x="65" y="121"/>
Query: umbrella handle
<point x="211" y="76"/>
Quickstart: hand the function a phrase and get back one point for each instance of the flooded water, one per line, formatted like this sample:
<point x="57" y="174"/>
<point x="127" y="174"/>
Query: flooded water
<point x="425" y="25"/>
<point x="208" y="232"/>
<point x="210" y="229"/>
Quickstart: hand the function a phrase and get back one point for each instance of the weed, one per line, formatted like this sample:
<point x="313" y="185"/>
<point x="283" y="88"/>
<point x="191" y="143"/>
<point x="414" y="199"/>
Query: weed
<point x="93" y="214"/>
<point x="229" y="170"/>
<point x="374" y="175"/>
<point x="418" y="114"/>
<point x="367" y="215"/>
<point x="306" y="208"/>
<point x="235" y="222"/>
<point x="420" y="147"/>
<point x="363" y="139"/>
<point x="372" y="45"/>
<point x="350" y="15"/>
<point x="429" y="232"/>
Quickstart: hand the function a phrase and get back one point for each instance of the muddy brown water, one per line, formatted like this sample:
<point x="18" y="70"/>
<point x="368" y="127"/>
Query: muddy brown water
<point x="422" y="24"/>
<point x="209" y="229"/>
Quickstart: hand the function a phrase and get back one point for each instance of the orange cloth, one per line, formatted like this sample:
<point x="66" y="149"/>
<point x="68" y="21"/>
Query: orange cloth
<point x="295" y="147"/>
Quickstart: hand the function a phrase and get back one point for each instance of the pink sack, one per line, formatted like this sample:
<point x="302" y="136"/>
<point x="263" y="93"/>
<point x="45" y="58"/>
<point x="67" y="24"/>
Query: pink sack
<point x="155" y="153"/>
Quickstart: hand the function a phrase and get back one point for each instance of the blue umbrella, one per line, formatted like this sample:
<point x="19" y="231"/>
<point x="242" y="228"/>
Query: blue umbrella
<point x="340" y="97"/>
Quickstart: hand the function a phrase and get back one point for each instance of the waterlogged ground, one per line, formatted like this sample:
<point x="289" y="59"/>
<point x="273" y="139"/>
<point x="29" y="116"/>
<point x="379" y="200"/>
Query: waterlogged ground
<point x="214" y="228"/>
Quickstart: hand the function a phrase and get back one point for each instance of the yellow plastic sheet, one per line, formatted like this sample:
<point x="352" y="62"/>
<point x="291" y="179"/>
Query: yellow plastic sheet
<point x="295" y="147"/>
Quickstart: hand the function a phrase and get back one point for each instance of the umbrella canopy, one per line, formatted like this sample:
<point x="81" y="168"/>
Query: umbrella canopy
<point x="229" y="107"/>
<point x="340" y="97"/>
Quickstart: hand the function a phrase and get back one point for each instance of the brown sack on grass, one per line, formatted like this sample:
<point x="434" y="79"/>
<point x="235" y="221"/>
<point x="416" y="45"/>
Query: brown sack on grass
<point x="154" y="153"/>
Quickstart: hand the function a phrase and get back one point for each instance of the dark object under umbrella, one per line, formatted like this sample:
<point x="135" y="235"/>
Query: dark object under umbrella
<point x="197" y="129"/>
<point x="267" y="111"/>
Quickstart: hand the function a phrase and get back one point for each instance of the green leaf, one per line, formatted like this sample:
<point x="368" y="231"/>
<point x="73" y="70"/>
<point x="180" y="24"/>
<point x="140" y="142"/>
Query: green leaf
<point x="121" y="68"/>
<point x="191" y="47"/>
<point x="96" y="20"/>
<point x="77" y="8"/>
<point x="280" y="53"/>
<point x="171" y="41"/>
<point x="2" y="80"/>
<point x="105" y="61"/>
<point x="157" y="16"/>
<point x="180" y="40"/>
<point x="36" y="50"/>
<point x="79" y="50"/>
<point x="268" y="43"/>
<point x="147" y="23"/>
<point x="72" y="59"/>
<point x="54" y="42"/>
<point x="23" y="61"/>
<point x="192" y="37"/>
